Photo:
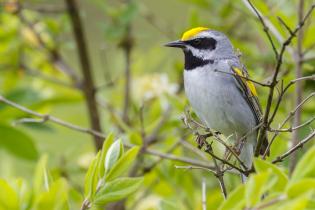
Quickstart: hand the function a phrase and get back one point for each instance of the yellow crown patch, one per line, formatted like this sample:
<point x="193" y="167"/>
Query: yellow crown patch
<point x="192" y="32"/>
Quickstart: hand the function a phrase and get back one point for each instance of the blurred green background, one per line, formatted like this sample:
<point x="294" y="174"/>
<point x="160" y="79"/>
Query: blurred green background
<point x="30" y="78"/>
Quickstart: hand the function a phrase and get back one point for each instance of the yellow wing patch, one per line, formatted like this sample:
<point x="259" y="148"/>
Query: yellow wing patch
<point x="192" y="32"/>
<point x="249" y="84"/>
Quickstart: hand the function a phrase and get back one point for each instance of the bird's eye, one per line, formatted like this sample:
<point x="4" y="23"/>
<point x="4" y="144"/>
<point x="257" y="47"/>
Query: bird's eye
<point x="197" y="41"/>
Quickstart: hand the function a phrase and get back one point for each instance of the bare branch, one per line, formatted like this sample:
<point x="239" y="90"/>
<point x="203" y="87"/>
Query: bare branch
<point x="295" y="148"/>
<point x="289" y="116"/>
<point x="243" y="77"/>
<point x="88" y="86"/>
<point x="195" y="167"/>
<point x="298" y="86"/>
<point x="285" y="25"/>
<point x="291" y="129"/>
<point x="266" y="122"/>
<point x="46" y="118"/>
<point x="265" y="27"/>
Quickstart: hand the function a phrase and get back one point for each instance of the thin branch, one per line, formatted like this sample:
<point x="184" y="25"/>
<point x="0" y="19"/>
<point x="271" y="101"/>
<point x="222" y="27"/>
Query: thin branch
<point x="219" y="174"/>
<point x="88" y="86"/>
<point x="289" y="116"/>
<point x="201" y="139"/>
<point x="192" y="148"/>
<point x="298" y="86"/>
<point x="291" y="129"/>
<point x="46" y="117"/>
<point x="195" y="167"/>
<point x="54" y="56"/>
<point x="265" y="121"/>
<point x="179" y="159"/>
<point x="285" y="25"/>
<point x="295" y="148"/>
<point x="243" y="77"/>
<point x="265" y="27"/>
<point x="92" y="132"/>
<point x="40" y="75"/>
<point x="284" y="90"/>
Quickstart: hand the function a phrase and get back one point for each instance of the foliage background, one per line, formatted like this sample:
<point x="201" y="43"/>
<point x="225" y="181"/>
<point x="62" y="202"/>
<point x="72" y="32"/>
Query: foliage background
<point x="156" y="88"/>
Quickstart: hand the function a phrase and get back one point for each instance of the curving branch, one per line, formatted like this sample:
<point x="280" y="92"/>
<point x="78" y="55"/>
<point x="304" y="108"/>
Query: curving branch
<point x="295" y="148"/>
<point x="46" y="117"/>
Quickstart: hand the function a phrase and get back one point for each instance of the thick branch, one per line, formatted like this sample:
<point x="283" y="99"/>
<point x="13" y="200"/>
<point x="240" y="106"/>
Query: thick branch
<point x="88" y="86"/>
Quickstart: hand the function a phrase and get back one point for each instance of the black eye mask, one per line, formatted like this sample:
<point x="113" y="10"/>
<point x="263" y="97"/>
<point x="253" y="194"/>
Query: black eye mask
<point x="203" y="43"/>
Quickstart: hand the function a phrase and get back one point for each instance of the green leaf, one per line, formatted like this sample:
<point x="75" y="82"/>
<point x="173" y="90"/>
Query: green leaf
<point x="123" y="164"/>
<point x="234" y="200"/>
<point x="17" y="143"/>
<point x="263" y="166"/>
<point x="90" y="181"/>
<point x="305" y="167"/>
<point x="8" y="197"/>
<point x="256" y="186"/>
<point x="40" y="179"/>
<point x="55" y="198"/>
<point x="108" y="141"/>
<point x="117" y="190"/>
<point x="297" y="203"/>
<point x="300" y="187"/>
<point x="114" y="153"/>
<point x="167" y="205"/>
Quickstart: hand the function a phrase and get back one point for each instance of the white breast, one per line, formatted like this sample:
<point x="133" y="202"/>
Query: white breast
<point x="217" y="101"/>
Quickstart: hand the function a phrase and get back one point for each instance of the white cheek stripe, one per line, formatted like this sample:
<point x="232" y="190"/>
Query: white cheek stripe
<point x="203" y="54"/>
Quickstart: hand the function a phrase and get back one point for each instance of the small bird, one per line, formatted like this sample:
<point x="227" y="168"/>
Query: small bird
<point x="216" y="85"/>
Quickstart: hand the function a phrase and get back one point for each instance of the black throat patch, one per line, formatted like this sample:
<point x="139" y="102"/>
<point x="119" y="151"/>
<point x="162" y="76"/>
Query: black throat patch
<point x="192" y="62"/>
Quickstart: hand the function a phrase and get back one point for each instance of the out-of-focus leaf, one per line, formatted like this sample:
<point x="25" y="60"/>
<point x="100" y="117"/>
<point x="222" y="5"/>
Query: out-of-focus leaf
<point x="135" y="138"/>
<point x="167" y="205"/>
<point x="106" y="145"/>
<point x="8" y="197"/>
<point x="117" y="190"/>
<point x="123" y="164"/>
<point x="55" y="198"/>
<point x="235" y="200"/>
<point x="90" y="181"/>
<point x="297" y="203"/>
<point x="305" y="167"/>
<point x="256" y="186"/>
<point x="263" y="166"/>
<point x="300" y="187"/>
<point x="114" y="153"/>
<point x="17" y="143"/>
<point x="40" y="179"/>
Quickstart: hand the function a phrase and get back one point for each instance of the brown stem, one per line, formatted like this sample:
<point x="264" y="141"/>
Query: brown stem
<point x="295" y="148"/>
<point x="288" y="117"/>
<point x="279" y="59"/>
<point x="127" y="47"/>
<point x="46" y="118"/>
<point x="219" y="173"/>
<point x="298" y="87"/>
<point x="88" y="86"/>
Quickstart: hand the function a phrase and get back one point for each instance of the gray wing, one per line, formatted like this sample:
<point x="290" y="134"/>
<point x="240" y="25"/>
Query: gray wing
<point x="249" y="93"/>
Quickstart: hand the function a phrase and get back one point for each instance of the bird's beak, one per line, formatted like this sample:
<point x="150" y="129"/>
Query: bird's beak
<point x="177" y="43"/>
